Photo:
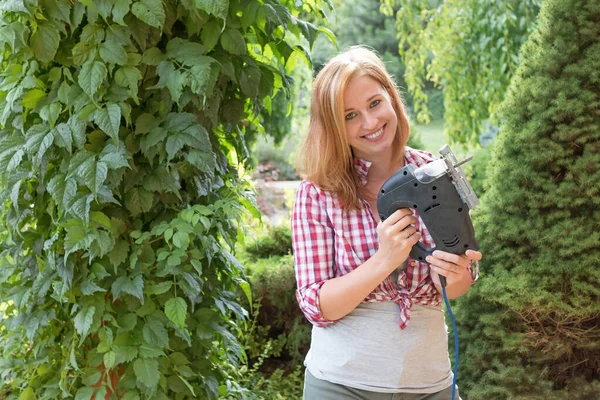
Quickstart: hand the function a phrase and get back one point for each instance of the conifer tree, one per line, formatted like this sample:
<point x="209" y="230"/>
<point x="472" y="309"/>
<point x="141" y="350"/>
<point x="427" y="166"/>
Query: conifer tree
<point x="531" y="327"/>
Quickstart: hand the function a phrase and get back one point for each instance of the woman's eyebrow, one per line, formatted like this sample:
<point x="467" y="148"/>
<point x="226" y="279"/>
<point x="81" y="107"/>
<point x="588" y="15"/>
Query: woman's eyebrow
<point x="368" y="100"/>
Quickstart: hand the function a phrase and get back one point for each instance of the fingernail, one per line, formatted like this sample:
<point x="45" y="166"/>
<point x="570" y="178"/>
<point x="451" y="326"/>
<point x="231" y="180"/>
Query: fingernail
<point x="428" y="258"/>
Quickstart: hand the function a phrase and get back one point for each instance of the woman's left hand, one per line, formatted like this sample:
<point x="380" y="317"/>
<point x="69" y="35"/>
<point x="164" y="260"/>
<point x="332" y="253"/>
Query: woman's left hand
<point x="456" y="269"/>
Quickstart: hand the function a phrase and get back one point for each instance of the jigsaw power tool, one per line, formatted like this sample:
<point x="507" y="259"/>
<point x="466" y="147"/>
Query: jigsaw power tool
<point x="442" y="196"/>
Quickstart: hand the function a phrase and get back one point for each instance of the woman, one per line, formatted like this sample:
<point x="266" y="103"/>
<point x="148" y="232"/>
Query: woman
<point x="379" y="330"/>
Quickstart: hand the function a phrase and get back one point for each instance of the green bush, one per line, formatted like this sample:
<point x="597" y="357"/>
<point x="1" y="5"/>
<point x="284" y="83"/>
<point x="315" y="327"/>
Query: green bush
<point x="476" y="170"/>
<point x="276" y="241"/>
<point x="122" y="131"/>
<point x="275" y="316"/>
<point x="278" y="385"/>
<point x="276" y="337"/>
<point x="414" y="140"/>
<point x="531" y="326"/>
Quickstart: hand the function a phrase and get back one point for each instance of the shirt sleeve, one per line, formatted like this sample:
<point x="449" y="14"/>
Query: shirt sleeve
<point x="313" y="247"/>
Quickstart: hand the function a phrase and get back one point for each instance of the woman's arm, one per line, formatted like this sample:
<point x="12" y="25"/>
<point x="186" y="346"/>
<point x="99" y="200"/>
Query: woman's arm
<point x="397" y="235"/>
<point x="323" y="296"/>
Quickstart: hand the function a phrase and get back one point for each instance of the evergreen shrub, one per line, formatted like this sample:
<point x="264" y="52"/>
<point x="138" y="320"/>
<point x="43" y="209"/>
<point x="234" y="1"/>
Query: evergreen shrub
<point x="275" y="316"/>
<point x="275" y="241"/>
<point x="530" y="327"/>
<point x="476" y="170"/>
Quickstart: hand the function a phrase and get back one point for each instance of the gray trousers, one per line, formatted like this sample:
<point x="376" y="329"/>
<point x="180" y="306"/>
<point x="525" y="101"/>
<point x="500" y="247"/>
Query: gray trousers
<point x="318" y="389"/>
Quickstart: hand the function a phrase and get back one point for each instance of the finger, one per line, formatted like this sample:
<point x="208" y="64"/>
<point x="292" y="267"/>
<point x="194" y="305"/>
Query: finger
<point x="441" y="271"/>
<point x="409" y="231"/>
<point x="442" y="264"/>
<point x="404" y="223"/>
<point x="473" y="255"/>
<point x="398" y="215"/>
<point x="451" y="258"/>
<point x="414" y="238"/>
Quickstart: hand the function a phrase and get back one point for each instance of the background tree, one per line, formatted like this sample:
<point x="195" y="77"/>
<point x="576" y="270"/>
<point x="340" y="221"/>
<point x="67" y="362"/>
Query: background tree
<point x="120" y="137"/>
<point x="531" y="327"/>
<point x="360" y="22"/>
<point x="468" y="48"/>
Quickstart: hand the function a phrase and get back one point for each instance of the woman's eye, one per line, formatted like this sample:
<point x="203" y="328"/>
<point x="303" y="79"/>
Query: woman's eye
<point x="350" y="115"/>
<point x="375" y="103"/>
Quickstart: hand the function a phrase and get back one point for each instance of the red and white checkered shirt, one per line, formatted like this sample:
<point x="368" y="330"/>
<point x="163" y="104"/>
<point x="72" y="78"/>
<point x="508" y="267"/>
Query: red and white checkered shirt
<point x="329" y="241"/>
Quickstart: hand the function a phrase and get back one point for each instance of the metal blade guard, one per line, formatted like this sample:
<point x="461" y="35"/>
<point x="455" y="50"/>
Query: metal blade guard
<point x="442" y="196"/>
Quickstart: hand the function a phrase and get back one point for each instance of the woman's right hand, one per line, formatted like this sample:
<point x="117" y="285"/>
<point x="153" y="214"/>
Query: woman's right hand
<point x="397" y="236"/>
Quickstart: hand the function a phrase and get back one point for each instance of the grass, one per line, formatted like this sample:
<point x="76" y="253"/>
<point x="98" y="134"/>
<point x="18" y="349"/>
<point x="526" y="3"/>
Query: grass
<point x="432" y="135"/>
<point x="433" y="138"/>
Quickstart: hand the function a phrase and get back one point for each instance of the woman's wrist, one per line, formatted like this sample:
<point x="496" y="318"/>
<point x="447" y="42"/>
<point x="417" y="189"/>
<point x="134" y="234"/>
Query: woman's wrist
<point x="382" y="263"/>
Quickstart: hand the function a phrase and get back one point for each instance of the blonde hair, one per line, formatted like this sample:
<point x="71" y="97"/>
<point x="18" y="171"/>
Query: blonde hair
<point x="325" y="157"/>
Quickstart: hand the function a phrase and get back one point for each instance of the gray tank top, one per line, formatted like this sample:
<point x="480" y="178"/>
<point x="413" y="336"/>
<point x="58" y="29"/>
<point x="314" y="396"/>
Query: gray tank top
<point x="367" y="350"/>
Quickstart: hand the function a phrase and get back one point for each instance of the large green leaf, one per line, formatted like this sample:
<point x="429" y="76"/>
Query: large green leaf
<point x="91" y="76"/>
<point x="124" y="354"/>
<point x="119" y="253"/>
<point x="58" y="10"/>
<point x="170" y="78"/>
<point x="39" y="140"/>
<point x="77" y="237"/>
<point x="129" y="77"/>
<point x="233" y="41"/>
<point x="155" y="334"/>
<point x="94" y="174"/>
<point x="211" y="32"/>
<point x="85" y="393"/>
<point x="89" y="288"/>
<point x="133" y="286"/>
<point x="146" y="371"/>
<point x="79" y="159"/>
<point x="113" y="52"/>
<point x="33" y="97"/>
<point x="153" y="56"/>
<point x="138" y="200"/>
<point x="176" y="311"/>
<point x="120" y="10"/>
<point x="150" y="11"/>
<point x="217" y="8"/>
<point x="109" y="120"/>
<point x="13" y="5"/>
<point x="114" y="157"/>
<point x="63" y="136"/>
<point x="83" y="320"/>
<point x="50" y="113"/>
<point x="200" y="78"/>
<point x="186" y="52"/>
<point x="62" y="189"/>
<point x="27" y="394"/>
<point x="44" y="42"/>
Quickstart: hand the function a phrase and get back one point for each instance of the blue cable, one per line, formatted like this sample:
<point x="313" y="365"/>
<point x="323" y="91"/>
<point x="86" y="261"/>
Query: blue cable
<point x="455" y="340"/>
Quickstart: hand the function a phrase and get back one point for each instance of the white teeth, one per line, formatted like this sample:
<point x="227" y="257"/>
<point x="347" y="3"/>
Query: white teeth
<point x="375" y="135"/>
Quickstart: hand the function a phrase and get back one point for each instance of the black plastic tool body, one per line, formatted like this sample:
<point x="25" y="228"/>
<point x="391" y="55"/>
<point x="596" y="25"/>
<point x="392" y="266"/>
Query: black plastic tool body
<point x="438" y="204"/>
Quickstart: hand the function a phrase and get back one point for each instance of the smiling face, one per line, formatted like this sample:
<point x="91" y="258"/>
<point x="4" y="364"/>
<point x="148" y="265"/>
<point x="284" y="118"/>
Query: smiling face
<point x="371" y="121"/>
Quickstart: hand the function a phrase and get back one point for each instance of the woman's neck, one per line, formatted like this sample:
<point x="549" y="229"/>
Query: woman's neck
<point x="381" y="170"/>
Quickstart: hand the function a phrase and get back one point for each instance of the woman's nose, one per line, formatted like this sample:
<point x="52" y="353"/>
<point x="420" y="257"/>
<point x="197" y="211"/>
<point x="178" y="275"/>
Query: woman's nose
<point x="369" y="121"/>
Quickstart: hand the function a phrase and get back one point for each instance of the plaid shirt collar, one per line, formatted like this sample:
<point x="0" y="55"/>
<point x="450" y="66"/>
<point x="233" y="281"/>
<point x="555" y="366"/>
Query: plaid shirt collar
<point x="362" y="167"/>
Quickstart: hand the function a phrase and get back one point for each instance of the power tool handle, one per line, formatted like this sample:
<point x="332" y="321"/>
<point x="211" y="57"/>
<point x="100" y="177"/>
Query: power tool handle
<point x="420" y="252"/>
